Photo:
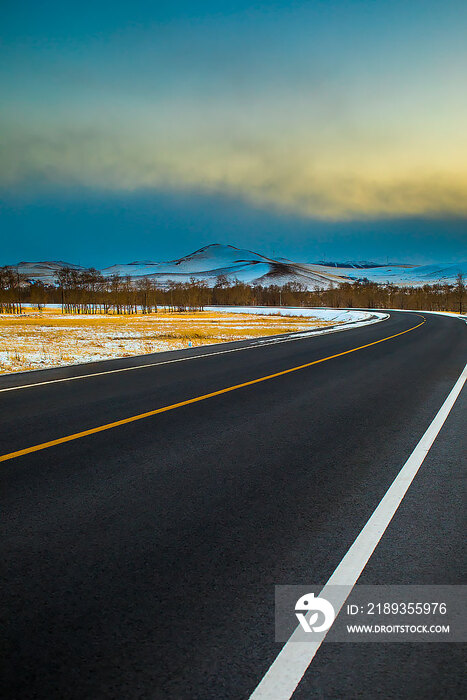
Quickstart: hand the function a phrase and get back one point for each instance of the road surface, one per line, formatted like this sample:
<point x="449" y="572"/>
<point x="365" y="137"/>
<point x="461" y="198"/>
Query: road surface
<point x="140" y="561"/>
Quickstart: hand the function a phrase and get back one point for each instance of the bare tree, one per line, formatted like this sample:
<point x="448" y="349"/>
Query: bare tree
<point x="460" y="290"/>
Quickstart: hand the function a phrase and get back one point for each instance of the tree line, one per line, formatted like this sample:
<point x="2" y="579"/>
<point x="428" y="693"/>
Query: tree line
<point x="89" y="292"/>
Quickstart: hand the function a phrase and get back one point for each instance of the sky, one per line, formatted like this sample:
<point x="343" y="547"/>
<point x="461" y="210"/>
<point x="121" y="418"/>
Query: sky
<point x="326" y="129"/>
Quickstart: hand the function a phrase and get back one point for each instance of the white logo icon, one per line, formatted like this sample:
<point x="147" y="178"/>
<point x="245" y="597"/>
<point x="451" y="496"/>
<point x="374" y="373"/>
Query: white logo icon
<point x="308" y="603"/>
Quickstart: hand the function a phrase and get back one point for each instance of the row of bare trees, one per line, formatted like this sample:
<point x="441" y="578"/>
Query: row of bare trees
<point x="89" y="292"/>
<point x="11" y="291"/>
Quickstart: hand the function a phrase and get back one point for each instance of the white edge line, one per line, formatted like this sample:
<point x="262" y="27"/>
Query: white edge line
<point x="258" y="343"/>
<point x="287" y="670"/>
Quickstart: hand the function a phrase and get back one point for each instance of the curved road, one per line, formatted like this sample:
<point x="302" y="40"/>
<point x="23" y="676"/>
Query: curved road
<point x="140" y="561"/>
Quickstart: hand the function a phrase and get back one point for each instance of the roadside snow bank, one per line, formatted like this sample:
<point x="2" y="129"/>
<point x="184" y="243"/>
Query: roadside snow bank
<point x="341" y="317"/>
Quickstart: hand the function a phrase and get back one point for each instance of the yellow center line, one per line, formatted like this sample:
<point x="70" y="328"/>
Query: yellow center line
<point x="148" y="414"/>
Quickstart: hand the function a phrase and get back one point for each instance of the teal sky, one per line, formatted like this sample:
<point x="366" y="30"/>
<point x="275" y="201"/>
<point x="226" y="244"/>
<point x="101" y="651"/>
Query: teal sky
<point x="144" y="130"/>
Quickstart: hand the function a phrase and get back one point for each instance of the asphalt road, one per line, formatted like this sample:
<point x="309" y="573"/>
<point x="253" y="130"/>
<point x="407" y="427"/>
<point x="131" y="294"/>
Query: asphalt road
<point x="140" y="561"/>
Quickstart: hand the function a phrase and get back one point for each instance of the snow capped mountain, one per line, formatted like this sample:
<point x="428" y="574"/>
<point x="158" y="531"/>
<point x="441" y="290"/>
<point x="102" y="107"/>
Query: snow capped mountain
<point x="408" y="275"/>
<point x="216" y="260"/>
<point x="43" y="271"/>
<point x="350" y="263"/>
<point x="440" y="273"/>
<point x="212" y="260"/>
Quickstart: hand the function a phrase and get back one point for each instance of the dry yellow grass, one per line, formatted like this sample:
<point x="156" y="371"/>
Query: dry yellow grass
<point x="36" y="340"/>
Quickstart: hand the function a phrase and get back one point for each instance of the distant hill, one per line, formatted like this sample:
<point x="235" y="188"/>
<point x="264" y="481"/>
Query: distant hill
<point x="216" y="260"/>
<point x="43" y="271"/>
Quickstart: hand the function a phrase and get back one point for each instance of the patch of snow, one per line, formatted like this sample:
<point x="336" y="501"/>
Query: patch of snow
<point x="322" y="314"/>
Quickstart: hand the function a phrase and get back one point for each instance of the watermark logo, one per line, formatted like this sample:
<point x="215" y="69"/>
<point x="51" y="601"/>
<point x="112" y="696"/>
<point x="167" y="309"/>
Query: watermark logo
<point x="309" y="605"/>
<point x="364" y="613"/>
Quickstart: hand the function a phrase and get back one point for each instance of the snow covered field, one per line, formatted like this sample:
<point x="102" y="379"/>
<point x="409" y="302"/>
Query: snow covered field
<point x="37" y="340"/>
